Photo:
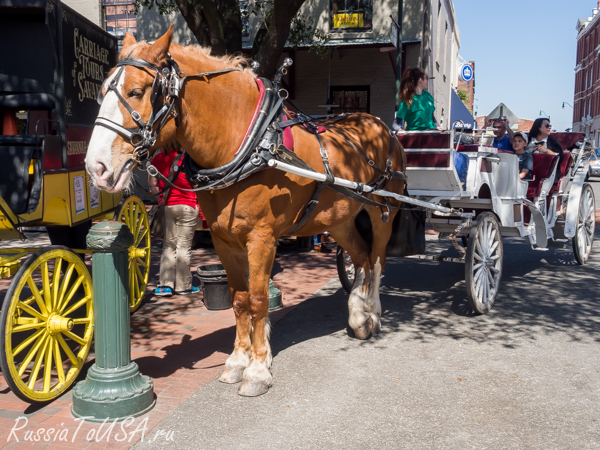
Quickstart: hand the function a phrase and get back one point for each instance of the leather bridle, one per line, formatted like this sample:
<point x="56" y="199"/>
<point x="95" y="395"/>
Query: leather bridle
<point x="167" y="85"/>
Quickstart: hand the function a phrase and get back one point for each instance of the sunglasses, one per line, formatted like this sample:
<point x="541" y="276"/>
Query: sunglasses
<point x="547" y="126"/>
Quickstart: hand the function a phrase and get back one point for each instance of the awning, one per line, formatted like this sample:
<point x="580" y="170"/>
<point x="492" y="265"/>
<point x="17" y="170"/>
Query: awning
<point x="458" y="111"/>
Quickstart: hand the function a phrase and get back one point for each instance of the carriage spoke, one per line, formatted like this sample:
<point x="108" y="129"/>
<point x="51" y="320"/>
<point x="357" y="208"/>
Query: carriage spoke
<point x="37" y="364"/>
<point x="67" y="350"/>
<point x="73" y="336"/>
<point x="48" y="366"/>
<point x="28" y="326"/>
<point x="60" y="370"/>
<point x="31" y="353"/>
<point x="56" y="281"/>
<point x="31" y="311"/>
<point x="37" y="295"/>
<point x="65" y="283"/>
<point x="46" y="286"/>
<point x="70" y="295"/>
<point x="141" y="237"/>
<point x="76" y="306"/>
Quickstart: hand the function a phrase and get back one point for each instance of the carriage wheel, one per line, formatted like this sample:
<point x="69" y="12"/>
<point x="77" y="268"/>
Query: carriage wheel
<point x="47" y="325"/>
<point x="483" y="263"/>
<point x="345" y="268"/>
<point x="586" y="224"/>
<point x="132" y="212"/>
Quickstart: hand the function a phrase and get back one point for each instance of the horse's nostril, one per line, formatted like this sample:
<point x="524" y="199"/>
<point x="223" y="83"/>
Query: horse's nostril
<point x="101" y="169"/>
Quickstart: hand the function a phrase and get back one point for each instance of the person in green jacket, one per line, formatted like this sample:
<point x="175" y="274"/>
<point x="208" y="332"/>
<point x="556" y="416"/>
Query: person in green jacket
<point x="417" y="107"/>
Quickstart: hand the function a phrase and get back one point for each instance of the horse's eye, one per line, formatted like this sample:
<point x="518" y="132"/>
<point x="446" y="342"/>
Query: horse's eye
<point x="135" y="93"/>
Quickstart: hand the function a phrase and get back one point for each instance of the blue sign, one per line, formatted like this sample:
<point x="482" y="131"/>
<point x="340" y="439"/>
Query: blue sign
<point x="466" y="73"/>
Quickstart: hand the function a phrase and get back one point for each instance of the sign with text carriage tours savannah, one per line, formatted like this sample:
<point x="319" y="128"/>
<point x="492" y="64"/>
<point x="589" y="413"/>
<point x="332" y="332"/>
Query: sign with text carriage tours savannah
<point x="89" y="53"/>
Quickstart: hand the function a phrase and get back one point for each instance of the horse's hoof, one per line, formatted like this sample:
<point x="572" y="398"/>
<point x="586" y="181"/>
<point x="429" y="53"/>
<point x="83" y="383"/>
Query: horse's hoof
<point x="365" y="330"/>
<point x="232" y="376"/>
<point x="248" y="389"/>
<point x="376" y="326"/>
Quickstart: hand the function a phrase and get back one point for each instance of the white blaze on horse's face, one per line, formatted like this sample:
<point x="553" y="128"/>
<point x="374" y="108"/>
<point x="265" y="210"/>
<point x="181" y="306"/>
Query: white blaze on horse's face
<point x="98" y="161"/>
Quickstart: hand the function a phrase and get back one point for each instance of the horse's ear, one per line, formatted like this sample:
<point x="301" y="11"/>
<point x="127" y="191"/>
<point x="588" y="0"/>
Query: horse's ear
<point x="128" y="41"/>
<point x="158" y="52"/>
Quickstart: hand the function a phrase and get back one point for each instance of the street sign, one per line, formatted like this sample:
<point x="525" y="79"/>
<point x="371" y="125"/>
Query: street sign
<point x="466" y="73"/>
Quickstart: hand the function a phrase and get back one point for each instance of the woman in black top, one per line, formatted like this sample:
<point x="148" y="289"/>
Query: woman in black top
<point x="540" y="140"/>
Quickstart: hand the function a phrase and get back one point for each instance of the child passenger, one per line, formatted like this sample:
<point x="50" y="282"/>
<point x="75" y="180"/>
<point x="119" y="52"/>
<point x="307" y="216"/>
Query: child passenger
<point x="519" y="142"/>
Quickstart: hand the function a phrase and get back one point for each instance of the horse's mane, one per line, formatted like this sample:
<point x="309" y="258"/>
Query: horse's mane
<point x="239" y="61"/>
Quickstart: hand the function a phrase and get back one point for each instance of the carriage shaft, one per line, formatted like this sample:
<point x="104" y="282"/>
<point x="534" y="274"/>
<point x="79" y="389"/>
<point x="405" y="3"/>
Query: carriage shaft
<point x="284" y="167"/>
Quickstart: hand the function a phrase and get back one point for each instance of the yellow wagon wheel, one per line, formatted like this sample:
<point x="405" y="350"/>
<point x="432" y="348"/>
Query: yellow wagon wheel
<point x="47" y="324"/>
<point x="132" y="212"/>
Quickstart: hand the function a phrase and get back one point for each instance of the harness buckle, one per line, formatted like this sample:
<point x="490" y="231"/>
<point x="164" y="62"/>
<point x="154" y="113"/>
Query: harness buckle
<point x="136" y="116"/>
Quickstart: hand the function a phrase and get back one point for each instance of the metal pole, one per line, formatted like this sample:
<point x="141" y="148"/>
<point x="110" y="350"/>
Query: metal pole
<point x="114" y="387"/>
<point x="399" y="53"/>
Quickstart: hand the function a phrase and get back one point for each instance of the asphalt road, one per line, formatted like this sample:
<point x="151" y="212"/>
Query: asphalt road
<point x="526" y="375"/>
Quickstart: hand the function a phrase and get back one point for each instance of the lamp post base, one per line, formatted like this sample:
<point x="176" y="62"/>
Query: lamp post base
<point x="113" y="394"/>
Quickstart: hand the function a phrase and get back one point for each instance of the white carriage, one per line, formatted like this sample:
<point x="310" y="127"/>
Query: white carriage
<point x="552" y="209"/>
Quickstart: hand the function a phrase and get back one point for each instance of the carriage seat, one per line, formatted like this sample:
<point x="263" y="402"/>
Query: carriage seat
<point x="544" y="167"/>
<point x="564" y="168"/>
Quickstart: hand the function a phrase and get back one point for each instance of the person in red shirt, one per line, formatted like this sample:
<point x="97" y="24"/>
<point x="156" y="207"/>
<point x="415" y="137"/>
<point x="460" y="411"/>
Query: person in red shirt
<point x="181" y="216"/>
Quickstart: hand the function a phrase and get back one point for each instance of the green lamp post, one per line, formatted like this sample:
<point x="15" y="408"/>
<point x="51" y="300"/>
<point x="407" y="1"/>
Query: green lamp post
<point x="114" y="387"/>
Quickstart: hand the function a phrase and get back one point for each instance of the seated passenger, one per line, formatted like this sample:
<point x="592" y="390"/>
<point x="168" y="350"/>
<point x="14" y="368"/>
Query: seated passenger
<point x="502" y="141"/>
<point x="541" y="141"/>
<point x="519" y="142"/>
<point x="417" y="107"/>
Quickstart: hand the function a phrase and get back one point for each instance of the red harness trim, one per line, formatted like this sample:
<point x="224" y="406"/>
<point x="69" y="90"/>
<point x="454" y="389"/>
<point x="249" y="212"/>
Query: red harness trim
<point x="261" y="94"/>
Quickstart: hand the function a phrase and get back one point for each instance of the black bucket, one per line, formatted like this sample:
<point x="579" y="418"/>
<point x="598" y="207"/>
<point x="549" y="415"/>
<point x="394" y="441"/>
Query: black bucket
<point x="214" y="286"/>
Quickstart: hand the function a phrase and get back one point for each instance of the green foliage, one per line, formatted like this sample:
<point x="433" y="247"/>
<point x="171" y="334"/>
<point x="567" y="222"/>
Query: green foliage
<point x="304" y="32"/>
<point x="463" y="95"/>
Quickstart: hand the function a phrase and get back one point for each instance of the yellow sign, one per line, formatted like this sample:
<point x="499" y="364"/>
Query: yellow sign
<point x="348" y="21"/>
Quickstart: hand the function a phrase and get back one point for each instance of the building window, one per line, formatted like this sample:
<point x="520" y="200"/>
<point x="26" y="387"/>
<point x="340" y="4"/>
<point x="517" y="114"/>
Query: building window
<point x="351" y="98"/>
<point x="352" y="15"/>
<point x="120" y="18"/>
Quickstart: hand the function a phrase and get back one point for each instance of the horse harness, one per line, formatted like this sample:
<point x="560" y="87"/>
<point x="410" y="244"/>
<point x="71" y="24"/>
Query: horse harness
<point x="263" y="140"/>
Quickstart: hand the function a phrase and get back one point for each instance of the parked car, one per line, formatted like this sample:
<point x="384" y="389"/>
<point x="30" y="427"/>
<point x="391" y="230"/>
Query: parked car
<point x="594" y="170"/>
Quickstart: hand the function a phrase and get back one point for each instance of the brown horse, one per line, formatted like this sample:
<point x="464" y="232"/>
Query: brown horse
<point x="247" y="218"/>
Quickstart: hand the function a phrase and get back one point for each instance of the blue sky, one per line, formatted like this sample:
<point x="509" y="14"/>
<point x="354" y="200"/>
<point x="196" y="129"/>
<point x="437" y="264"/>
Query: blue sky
<point x="524" y="53"/>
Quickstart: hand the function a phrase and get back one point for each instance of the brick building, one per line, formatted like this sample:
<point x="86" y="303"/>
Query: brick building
<point x="586" y="102"/>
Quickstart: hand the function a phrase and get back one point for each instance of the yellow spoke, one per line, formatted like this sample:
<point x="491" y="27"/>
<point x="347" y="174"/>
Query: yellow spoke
<point x="138" y="223"/>
<point x="141" y="262"/>
<point x="139" y="273"/>
<point x="48" y="366"/>
<point x="55" y="281"/>
<point x="141" y="237"/>
<point x="58" y="361"/>
<point x="77" y="305"/>
<point x="82" y="320"/>
<point x="31" y="353"/>
<point x="74" y="337"/>
<point x="46" y="286"/>
<point x="131" y="211"/>
<point x="67" y="350"/>
<point x="31" y="311"/>
<point x="65" y="284"/>
<point x="38" y="297"/>
<point x="28" y="326"/>
<point x="37" y="364"/>
<point x="70" y="294"/>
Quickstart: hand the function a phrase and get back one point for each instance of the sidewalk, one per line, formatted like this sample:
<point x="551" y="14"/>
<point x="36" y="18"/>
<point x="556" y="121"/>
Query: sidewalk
<point x="176" y="341"/>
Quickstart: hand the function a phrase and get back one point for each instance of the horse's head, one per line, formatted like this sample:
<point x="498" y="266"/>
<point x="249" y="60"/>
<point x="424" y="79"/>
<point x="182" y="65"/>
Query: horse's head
<point x="130" y="113"/>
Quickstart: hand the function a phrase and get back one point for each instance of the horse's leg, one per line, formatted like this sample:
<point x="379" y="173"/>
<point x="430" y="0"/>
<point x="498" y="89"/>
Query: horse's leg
<point x="235" y="264"/>
<point x="257" y="377"/>
<point x="381" y="235"/>
<point x="359" y="317"/>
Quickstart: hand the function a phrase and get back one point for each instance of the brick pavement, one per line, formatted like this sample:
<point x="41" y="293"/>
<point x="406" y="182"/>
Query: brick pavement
<point x="176" y="341"/>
